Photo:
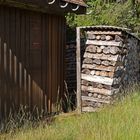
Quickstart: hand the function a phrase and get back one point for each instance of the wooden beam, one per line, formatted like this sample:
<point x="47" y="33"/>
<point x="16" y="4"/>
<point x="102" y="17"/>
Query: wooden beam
<point x="105" y="32"/>
<point x="98" y="79"/>
<point x="104" y="43"/>
<point x="102" y="56"/>
<point x="102" y="91"/>
<point x="99" y="67"/>
<point x="78" y="58"/>
<point x="92" y="99"/>
<point x="42" y="6"/>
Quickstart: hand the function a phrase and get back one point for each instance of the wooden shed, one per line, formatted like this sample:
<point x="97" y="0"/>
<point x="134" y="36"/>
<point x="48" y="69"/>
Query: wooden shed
<point x="32" y="42"/>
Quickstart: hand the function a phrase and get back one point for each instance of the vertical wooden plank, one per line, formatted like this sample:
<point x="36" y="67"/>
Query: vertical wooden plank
<point x="27" y="56"/>
<point x="5" y="57"/>
<point x="2" y="60"/>
<point x="46" y="61"/>
<point x="20" y="76"/>
<point x="54" y="64"/>
<point x="18" y="55"/>
<point x="12" y="46"/>
<point x="29" y="91"/>
<point x="7" y="85"/>
<point x="59" y="58"/>
<point x="62" y="37"/>
<point x="78" y="71"/>
<point x="43" y="51"/>
<point x="5" y="79"/>
<point x="23" y="59"/>
<point x="10" y="63"/>
<point x="25" y="82"/>
<point x="15" y="69"/>
<point x="49" y="62"/>
<point x="0" y="79"/>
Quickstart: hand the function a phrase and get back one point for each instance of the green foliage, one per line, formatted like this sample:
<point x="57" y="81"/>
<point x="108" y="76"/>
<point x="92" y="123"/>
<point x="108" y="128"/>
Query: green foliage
<point x="126" y="14"/>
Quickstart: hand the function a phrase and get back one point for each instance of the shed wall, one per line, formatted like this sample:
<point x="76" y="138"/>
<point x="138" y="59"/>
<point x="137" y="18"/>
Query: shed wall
<point x="31" y="59"/>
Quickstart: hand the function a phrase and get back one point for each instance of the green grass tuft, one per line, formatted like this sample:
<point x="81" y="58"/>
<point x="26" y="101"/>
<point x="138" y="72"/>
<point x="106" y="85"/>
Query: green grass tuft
<point x="118" y="122"/>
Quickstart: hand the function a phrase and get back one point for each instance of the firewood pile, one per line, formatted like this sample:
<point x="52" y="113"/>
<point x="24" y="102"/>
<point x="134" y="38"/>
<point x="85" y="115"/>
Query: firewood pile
<point x="110" y="62"/>
<point x="70" y="59"/>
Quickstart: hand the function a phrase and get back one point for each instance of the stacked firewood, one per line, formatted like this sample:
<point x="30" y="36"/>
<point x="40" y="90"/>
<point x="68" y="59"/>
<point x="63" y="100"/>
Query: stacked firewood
<point x="70" y="61"/>
<point x="102" y="68"/>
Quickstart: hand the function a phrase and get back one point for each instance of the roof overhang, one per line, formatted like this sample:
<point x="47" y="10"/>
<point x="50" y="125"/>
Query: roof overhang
<point x="78" y="2"/>
<point x="48" y="6"/>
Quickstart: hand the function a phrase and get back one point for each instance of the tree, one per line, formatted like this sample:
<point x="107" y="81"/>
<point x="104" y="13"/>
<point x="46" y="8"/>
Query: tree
<point x="124" y="13"/>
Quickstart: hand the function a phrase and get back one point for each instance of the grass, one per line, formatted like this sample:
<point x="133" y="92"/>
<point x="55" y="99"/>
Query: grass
<point x="118" y="122"/>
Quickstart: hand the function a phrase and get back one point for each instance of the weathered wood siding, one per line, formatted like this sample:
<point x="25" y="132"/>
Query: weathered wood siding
<point x="31" y="59"/>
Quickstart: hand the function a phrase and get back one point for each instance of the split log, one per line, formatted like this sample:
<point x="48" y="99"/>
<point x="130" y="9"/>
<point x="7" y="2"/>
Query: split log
<point x="108" y="37"/>
<point x="88" y="55"/>
<point x="98" y="79"/>
<point x="97" y="61"/>
<point x="88" y="61"/>
<point x="102" y="47"/>
<point x="112" y="63"/>
<point x="95" y="95"/>
<point x="104" y="73"/>
<point x="100" y="86"/>
<point x="86" y="98"/>
<point x="98" y="37"/>
<point x="86" y="71"/>
<point x="103" y="37"/>
<point x="116" y="81"/>
<point x="125" y="51"/>
<point x="93" y="84"/>
<point x="106" y="50"/>
<point x="99" y="50"/>
<point x="88" y="66"/>
<point x="104" y="43"/>
<point x="106" y="63"/>
<point x="97" y="73"/>
<point x="84" y="88"/>
<point x="111" y="74"/>
<point x="98" y="67"/>
<point x="92" y="72"/>
<point x="107" y="87"/>
<point x="102" y="56"/>
<point x="114" y="58"/>
<point x="91" y="48"/>
<point x="84" y="82"/>
<point x="104" y="68"/>
<point x="84" y="103"/>
<point x="114" y="50"/>
<point x="91" y="36"/>
<point x="90" y="94"/>
<point x="120" y="68"/>
<point x="118" y="38"/>
<point x="99" y="96"/>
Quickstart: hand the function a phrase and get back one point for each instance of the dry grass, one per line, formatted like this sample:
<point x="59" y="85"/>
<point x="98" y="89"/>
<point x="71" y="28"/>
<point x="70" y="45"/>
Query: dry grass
<point x="118" y="122"/>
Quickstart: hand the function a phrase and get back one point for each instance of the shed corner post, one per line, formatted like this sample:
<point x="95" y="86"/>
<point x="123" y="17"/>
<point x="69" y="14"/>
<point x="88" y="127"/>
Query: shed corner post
<point x="78" y="59"/>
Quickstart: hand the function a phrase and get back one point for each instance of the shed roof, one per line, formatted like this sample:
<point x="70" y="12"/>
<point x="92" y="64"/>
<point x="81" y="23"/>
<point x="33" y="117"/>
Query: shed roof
<point x="111" y="28"/>
<point x="79" y="2"/>
<point x="49" y="6"/>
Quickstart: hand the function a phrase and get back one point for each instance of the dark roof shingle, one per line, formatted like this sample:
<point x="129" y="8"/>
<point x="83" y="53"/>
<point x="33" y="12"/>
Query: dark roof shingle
<point x="79" y="2"/>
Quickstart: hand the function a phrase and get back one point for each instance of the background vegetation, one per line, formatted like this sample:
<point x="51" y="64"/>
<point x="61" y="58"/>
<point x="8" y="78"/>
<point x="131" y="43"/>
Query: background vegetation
<point x="124" y="13"/>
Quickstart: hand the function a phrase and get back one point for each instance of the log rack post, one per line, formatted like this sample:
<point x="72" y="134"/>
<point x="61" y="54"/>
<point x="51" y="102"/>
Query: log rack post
<point x="78" y="58"/>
